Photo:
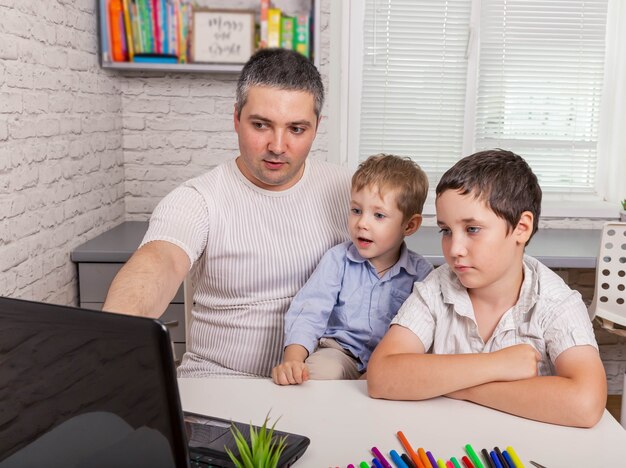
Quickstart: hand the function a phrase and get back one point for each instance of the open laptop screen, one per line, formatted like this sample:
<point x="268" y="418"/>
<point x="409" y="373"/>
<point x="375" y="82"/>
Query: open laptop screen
<point x="81" y="388"/>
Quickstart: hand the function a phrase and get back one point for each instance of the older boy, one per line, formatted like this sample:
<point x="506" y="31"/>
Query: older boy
<point x="344" y="309"/>
<point x="502" y="329"/>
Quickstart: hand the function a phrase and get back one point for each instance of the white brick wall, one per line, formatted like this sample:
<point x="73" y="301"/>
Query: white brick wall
<point x="61" y="159"/>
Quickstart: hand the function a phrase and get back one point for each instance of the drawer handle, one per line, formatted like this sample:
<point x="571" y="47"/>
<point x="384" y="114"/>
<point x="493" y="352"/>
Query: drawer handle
<point x="171" y="323"/>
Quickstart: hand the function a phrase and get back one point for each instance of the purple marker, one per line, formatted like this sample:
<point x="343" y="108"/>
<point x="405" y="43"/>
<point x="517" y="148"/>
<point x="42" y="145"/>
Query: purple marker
<point x="381" y="458"/>
<point x="431" y="459"/>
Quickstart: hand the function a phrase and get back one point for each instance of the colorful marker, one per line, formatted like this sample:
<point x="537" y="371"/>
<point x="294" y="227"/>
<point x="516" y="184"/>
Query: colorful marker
<point x="350" y="465"/>
<point x="408" y="461"/>
<point x="381" y="458"/>
<point x="514" y="457"/>
<point x="495" y="459"/>
<point x="424" y="458"/>
<point x="501" y="458"/>
<point x="487" y="458"/>
<point x="397" y="459"/>
<point x="475" y="460"/>
<point x="409" y="450"/>
<point x="364" y="465"/>
<point x="441" y="463"/>
<point x="467" y="462"/>
<point x="431" y="459"/>
<point x="508" y="459"/>
<point x="449" y="464"/>
<point x="376" y="463"/>
<point x="456" y="463"/>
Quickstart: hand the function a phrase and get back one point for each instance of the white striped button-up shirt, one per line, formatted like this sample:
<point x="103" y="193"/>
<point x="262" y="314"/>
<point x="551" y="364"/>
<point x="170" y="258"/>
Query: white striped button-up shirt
<point x="548" y="315"/>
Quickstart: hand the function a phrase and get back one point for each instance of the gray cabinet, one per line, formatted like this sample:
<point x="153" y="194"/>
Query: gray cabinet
<point x="100" y="259"/>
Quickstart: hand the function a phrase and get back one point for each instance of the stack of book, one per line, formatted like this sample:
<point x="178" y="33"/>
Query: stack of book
<point x="280" y="30"/>
<point x="145" y="30"/>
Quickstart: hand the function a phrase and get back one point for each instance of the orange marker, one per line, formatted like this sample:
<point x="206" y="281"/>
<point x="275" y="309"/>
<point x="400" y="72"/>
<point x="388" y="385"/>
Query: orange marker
<point x="424" y="458"/>
<point x="409" y="450"/>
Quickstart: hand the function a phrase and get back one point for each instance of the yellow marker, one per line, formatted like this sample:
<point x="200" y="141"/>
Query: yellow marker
<point x="514" y="457"/>
<point x="441" y="463"/>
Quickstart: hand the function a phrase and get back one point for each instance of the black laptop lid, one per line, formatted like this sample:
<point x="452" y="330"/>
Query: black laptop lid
<point x="86" y="388"/>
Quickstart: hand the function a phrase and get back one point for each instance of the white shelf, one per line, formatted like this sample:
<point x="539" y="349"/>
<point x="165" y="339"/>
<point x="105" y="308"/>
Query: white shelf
<point x="175" y="67"/>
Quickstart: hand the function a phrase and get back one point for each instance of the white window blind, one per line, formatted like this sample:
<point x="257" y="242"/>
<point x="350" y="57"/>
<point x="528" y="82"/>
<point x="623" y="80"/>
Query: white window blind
<point x="539" y="86"/>
<point x="414" y="73"/>
<point x="537" y="90"/>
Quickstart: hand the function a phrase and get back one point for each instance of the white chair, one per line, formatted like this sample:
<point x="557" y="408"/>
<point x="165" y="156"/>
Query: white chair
<point x="609" y="298"/>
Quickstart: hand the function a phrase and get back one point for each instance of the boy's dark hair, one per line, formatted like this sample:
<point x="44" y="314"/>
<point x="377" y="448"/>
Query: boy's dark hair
<point x="501" y="179"/>
<point x="387" y="172"/>
<point x="283" y="69"/>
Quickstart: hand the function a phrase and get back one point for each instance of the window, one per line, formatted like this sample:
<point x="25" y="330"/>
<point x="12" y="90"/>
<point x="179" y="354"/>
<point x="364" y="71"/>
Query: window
<point x="440" y="79"/>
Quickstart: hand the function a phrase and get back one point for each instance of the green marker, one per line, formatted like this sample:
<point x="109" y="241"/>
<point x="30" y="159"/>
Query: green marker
<point x="455" y="462"/>
<point x="364" y="465"/>
<point x="473" y="456"/>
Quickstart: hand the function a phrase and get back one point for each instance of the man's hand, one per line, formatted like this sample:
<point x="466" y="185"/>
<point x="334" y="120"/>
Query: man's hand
<point x="290" y="373"/>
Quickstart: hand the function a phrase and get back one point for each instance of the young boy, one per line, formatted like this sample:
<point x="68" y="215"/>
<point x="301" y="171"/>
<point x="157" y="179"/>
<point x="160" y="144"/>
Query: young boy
<point x="344" y="309"/>
<point x="503" y="330"/>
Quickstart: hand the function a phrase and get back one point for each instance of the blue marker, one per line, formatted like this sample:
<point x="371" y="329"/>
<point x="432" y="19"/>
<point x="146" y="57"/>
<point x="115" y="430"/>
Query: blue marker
<point x="508" y="459"/>
<point x="376" y="463"/>
<point x="495" y="459"/>
<point x="397" y="459"/>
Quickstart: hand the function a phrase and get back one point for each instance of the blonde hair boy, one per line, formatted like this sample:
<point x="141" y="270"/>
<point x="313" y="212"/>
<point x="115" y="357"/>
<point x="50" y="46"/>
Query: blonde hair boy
<point x="344" y="309"/>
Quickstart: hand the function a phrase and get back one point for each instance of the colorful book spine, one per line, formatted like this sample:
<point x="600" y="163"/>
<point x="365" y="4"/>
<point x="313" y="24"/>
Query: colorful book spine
<point x="135" y="27"/>
<point x="155" y="26"/>
<point x="273" y="27"/>
<point x="104" y="31"/>
<point x="302" y="40"/>
<point x="118" y="40"/>
<point x="287" y="31"/>
<point x="128" y="29"/>
<point x="265" y="6"/>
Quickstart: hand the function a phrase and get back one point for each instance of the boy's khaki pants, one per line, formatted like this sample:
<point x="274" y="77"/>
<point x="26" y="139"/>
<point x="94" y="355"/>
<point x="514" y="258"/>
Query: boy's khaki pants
<point x="332" y="362"/>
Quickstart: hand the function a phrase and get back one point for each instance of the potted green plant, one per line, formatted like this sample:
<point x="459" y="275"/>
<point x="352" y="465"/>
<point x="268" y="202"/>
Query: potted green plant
<point x="622" y="213"/>
<point x="263" y="451"/>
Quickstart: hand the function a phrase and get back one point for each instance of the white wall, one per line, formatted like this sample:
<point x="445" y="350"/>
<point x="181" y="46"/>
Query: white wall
<point x="61" y="171"/>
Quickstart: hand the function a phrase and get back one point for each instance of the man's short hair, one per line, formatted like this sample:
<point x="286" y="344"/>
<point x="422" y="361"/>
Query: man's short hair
<point x="282" y="69"/>
<point x="388" y="172"/>
<point x="500" y="178"/>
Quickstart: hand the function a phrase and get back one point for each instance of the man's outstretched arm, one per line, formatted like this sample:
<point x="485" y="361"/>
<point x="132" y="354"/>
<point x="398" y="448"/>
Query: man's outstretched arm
<point x="148" y="281"/>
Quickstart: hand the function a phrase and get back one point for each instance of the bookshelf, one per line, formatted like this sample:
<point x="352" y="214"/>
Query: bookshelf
<point x="218" y="68"/>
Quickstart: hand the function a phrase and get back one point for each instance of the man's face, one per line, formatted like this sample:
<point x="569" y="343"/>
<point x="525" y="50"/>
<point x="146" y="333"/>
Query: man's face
<point x="276" y="129"/>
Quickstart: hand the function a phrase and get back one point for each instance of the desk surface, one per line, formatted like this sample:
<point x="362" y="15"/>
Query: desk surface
<point x="556" y="248"/>
<point x="343" y="423"/>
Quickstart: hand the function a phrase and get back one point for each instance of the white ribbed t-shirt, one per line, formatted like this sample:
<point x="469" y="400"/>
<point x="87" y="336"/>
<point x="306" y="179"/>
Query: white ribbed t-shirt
<point x="255" y="249"/>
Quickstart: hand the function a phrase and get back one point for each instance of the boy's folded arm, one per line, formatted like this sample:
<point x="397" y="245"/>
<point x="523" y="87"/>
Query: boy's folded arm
<point x="399" y="369"/>
<point x="576" y="396"/>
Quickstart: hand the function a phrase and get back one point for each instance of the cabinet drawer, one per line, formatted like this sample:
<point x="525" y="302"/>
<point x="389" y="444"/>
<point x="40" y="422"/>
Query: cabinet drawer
<point x="173" y="318"/>
<point x="94" y="280"/>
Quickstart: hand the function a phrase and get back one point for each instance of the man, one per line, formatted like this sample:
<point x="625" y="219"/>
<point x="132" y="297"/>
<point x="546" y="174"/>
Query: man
<point x="256" y="226"/>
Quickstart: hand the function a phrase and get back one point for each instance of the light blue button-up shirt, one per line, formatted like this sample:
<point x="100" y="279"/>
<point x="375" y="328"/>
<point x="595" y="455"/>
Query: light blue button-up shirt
<point x="344" y="299"/>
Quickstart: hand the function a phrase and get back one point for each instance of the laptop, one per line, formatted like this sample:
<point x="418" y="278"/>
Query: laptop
<point x="82" y="388"/>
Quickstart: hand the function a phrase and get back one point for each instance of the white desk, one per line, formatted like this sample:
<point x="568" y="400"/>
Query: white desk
<point x="343" y="423"/>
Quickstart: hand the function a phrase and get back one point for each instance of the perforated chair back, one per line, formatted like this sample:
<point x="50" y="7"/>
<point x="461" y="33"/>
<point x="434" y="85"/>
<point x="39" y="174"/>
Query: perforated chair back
<point x="609" y="298"/>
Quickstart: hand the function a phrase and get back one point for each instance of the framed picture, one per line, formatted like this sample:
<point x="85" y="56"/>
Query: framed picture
<point x="222" y="36"/>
